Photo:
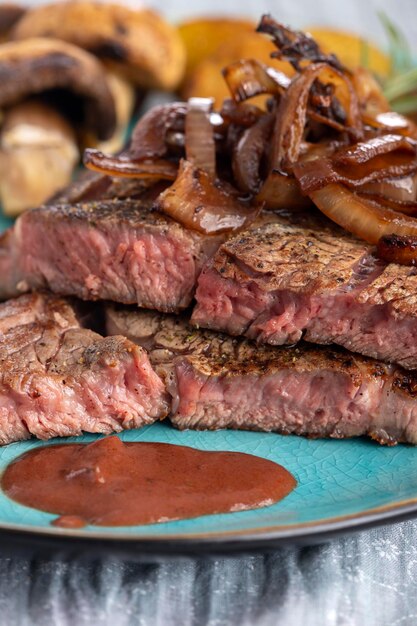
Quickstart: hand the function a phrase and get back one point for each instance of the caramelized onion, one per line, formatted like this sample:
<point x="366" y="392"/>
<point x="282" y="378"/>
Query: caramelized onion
<point x="292" y="113"/>
<point x="364" y="218"/>
<point x="398" y="189"/>
<point x="148" y="137"/>
<point x="244" y="115"/>
<point x="247" y="155"/>
<point x="291" y="118"/>
<point x="398" y="249"/>
<point x="315" y="174"/>
<point x="280" y="191"/>
<point x="364" y="151"/>
<point x="295" y="46"/>
<point x="197" y="202"/>
<point x="124" y="166"/>
<point x="345" y="102"/>
<point x="248" y="78"/>
<point x="408" y="207"/>
<point x="375" y="107"/>
<point x="390" y="121"/>
<point x="369" y="92"/>
<point x="378" y="159"/>
<point x="200" y="149"/>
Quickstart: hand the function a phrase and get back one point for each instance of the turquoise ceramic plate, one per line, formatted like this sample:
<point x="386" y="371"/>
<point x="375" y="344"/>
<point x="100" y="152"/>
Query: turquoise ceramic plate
<point x="341" y="485"/>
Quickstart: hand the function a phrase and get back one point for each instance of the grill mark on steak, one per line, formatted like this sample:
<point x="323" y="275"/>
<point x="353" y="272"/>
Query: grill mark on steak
<point x="59" y="379"/>
<point x="284" y="281"/>
<point x="217" y="381"/>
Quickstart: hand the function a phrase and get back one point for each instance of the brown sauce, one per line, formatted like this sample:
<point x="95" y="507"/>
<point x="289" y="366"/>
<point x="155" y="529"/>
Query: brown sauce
<point x="112" y="483"/>
<point x="69" y="521"/>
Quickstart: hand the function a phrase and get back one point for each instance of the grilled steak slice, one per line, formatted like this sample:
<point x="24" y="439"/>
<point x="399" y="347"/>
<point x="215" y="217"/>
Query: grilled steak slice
<point x="221" y="382"/>
<point x="58" y="379"/>
<point x="107" y="249"/>
<point x="282" y="281"/>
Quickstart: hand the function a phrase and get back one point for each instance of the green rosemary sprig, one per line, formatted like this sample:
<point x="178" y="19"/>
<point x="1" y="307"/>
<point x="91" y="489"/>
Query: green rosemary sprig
<point x="400" y="88"/>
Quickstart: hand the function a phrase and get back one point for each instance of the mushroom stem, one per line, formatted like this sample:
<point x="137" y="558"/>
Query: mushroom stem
<point x="124" y="97"/>
<point x="38" y="152"/>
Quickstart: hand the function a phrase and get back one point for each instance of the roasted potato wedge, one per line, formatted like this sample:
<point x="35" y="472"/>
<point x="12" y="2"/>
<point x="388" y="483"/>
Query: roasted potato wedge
<point x="203" y="37"/>
<point x="352" y="50"/>
<point x="203" y="81"/>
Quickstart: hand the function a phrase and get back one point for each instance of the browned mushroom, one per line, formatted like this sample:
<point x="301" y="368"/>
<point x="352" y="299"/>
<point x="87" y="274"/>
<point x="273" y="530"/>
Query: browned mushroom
<point x="139" y="49"/>
<point x="38" y="65"/>
<point x="9" y="15"/>
<point x="139" y="43"/>
<point x="38" y="153"/>
<point x="72" y="85"/>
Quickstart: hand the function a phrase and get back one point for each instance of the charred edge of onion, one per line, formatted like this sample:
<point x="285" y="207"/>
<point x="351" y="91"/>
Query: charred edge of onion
<point x="296" y="46"/>
<point x="398" y="249"/>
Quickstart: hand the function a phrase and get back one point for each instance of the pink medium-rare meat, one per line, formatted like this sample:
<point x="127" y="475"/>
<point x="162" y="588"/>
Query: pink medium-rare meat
<point x="104" y="250"/>
<point x="285" y="281"/>
<point x="217" y="381"/>
<point x="58" y="379"/>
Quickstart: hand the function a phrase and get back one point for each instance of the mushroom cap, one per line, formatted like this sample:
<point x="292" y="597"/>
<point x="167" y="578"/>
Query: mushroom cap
<point x="9" y="14"/>
<point x="142" y="45"/>
<point x="36" y="65"/>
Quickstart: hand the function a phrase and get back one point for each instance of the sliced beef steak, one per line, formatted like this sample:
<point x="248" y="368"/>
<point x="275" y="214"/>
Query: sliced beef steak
<point x="58" y="379"/>
<point x="282" y="281"/>
<point x="107" y="249"/>
<point x="221" y="382"/>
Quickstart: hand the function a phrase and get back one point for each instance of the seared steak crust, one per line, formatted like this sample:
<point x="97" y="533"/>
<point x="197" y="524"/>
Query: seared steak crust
<point x="58" y="379"/>
<point x="282" y="282"/>
<point x="217" y="381"/>
<point x="106" y="249"/>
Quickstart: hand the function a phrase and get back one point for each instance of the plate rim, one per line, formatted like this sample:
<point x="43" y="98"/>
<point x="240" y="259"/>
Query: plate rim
<point x="205" y="543"/>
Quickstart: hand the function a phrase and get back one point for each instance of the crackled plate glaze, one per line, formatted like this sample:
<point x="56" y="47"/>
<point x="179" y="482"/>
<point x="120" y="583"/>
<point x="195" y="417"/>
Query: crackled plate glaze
<point x="341" y="485"/>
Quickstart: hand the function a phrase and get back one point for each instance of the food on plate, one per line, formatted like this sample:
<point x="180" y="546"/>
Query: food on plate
<point x="137" y="50"/>
<point x="36" y="65"/>
<point x="109" y="249"/>
<point x="138" y="43"/>
<point x="353" y="50"/>
<point x="10" y="13"/>
<point x="248" y="208"/>
<point x="287" y="280"/>
<point x="38" y="153"/>
<point x="112" y="483"/>
<point x="39" y="146"/>
<point x="213" y="44"/>
<point x="203" y="36"/>
<point x="333" y="143"/>
<point x="125" y="98"/>
<point x="217" y="381"/>
<point x="59" y="379"/>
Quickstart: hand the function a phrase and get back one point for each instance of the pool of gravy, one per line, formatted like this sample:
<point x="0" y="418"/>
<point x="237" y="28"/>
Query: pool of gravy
<point x="113" y="483"/>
